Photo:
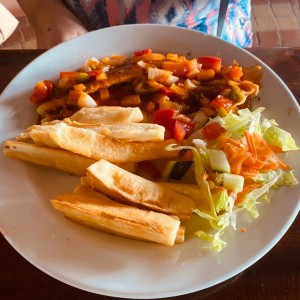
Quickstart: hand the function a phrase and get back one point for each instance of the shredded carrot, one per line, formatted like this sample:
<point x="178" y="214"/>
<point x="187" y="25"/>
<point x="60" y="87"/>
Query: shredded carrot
<point x="249" y="172"/>
<point x="250" y="157"/>
<point x="236" y="154"/>
<point x="248" y="187"/>
<point x="276" y="149"/>
<point x="251" y="144"/>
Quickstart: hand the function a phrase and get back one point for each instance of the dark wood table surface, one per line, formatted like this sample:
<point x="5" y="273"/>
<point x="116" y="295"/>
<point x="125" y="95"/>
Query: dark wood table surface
<point x="275" y="276"/>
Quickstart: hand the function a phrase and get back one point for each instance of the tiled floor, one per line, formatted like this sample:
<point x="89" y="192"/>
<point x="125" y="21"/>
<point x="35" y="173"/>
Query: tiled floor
<point x="276" y="23"/>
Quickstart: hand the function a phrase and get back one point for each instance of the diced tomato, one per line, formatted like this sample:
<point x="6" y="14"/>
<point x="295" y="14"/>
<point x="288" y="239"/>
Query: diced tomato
<point x="179" y="131"/>
<point x="187" y="123"/>
<point x="176" y="126"/>
<point x="222" y="102"/>
<point x="42" y="92"/>
<point x="141" y="52"/>
<point x="165" y="117"/>
<point x="210" y="62"/>
<point x="213" y="130"/>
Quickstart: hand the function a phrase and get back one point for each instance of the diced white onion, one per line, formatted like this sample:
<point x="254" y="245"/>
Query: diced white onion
<point x="85" y="100"/>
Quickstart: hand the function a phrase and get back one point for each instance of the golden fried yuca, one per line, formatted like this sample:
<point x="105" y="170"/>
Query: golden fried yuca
<point x="126" y="187"/>
<point x="191" y="190"/>
<point x="89" y="192"/>
<point x="142" y="132"/>
<point x="55" y="158"/>
<point x="39" y="134"/>
<point x="108" y="115"/>
<point x="107" y="215"/>
<point x="94" y="145"/>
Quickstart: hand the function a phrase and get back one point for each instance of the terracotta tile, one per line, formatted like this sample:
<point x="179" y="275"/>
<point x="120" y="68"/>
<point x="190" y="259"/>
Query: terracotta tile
<point x="255" y="42"/>
<point x="278" y="1"/>
<point x="282" y="9"/>
<point x="254" y="25"/>
<point x="266" y="23"/>
<point x="262" y="11"/>
<point x="296" y="10"/>
<point x="259" y="2"/>
<point x="290" y="38"/>
<point x="269" y="39"/>
<point x="287" y="23"/>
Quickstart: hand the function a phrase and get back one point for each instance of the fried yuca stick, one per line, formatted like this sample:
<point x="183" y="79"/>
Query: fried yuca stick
<point x="91" y="144"/>
<point x="55" y="158"/>
<point x="87" y="191"/>
<point x="126" y="187"/>
<point x="107" y="215"/>
<point x="63" y="160"/>
<point x="142" y="132"/>
<point x="108" y="115"/>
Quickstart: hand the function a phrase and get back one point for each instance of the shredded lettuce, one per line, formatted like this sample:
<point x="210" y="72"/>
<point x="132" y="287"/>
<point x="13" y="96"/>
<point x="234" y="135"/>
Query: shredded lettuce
<point x="223" y="210"/>
<point x="285" y="179"/>
<point x="278" y="137"/>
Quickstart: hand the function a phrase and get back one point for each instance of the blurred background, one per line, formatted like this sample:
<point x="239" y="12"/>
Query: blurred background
<point x="276" y="23"/>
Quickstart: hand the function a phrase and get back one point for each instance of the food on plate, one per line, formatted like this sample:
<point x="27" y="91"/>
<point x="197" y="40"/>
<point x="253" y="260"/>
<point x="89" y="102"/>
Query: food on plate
<point x="158" y="136"/>
<point x="126" y="187"/>
<point x="91" y="144"/>
<point x="103" y="213"/>
<point x="107" y="115"/>
<point x="149" y="81"/>
<point x="50" y="157"/>
<point x="139" y="132"/>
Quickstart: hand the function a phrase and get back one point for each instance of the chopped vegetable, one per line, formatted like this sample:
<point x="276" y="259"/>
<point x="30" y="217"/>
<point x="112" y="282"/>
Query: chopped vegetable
<point x="211" y="62"/>
<point x="42" y="92"/>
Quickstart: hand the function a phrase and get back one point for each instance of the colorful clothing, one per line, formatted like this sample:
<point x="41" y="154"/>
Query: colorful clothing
<point x="193" y="14"/>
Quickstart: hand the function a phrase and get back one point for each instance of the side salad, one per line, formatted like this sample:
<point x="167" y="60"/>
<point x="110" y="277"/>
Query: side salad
<point x="236" y="164"/>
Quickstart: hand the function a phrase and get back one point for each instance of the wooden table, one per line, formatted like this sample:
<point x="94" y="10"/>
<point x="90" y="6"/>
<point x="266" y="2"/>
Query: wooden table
<point x="275" y="276"/>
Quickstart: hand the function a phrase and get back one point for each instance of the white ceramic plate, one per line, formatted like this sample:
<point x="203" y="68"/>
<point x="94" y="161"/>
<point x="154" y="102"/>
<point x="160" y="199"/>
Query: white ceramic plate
<point x="115" y="266"/>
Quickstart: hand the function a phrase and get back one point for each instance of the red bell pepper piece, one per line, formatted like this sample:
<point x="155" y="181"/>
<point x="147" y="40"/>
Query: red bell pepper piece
<point x="141" y="52"/>
<point x="179" y="131"/>
<point x="210" y="62"/>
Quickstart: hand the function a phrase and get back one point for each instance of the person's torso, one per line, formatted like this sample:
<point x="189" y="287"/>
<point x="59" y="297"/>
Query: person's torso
<point x="193" y="14"/>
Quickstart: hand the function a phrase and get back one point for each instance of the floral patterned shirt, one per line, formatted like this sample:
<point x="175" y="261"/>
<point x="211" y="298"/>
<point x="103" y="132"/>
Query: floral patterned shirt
<point x="194" y="14"/>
